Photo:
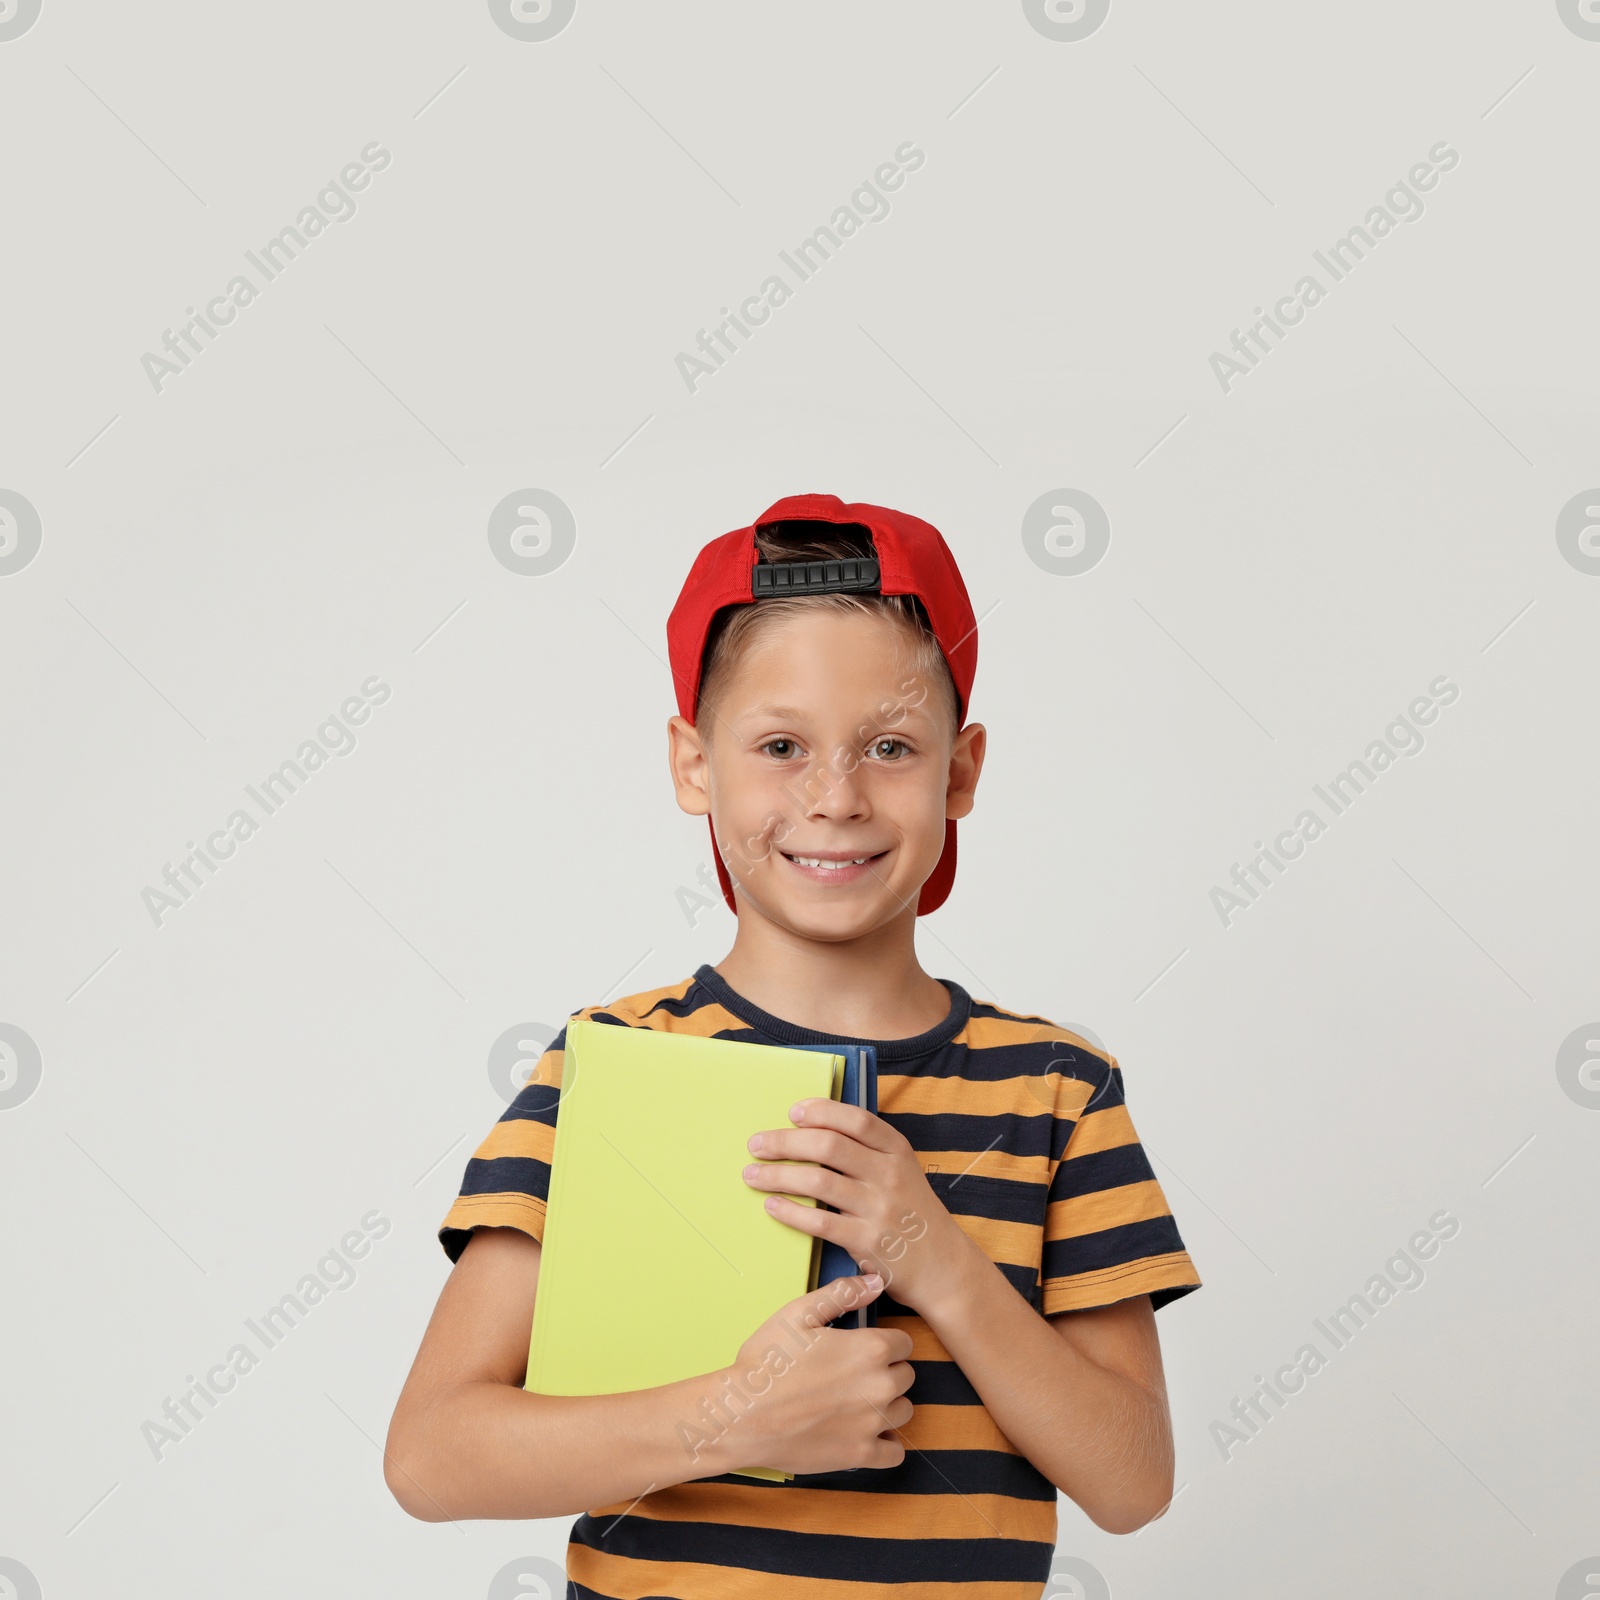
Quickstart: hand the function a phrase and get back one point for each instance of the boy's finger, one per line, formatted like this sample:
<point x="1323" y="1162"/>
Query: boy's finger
<point x="817" y="1111"/>
<point x="824" y="1147"/>
<point x="810" y="1180"/>
<point x="843" y="1294"/>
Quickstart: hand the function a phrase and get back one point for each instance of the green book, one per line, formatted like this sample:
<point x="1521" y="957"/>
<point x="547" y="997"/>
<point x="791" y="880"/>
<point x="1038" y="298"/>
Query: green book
<point x="658" y="1259"/>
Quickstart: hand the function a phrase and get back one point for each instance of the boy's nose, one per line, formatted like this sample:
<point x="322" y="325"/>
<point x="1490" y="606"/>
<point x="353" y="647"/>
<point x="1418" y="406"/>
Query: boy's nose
<point x="836" y="791"/>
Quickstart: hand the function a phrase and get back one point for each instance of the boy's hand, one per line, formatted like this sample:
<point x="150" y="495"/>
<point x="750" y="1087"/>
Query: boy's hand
<point x="886" y="1215"/>
<point x="822" y="1399"/>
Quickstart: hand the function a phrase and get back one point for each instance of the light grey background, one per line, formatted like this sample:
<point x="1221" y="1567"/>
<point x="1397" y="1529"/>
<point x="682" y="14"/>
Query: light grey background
<point x="222" y="563"/>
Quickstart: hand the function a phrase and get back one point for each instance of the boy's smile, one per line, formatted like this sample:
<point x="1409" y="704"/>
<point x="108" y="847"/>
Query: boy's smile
<point x="832" y="869"/>
<point x="828" y="767"/>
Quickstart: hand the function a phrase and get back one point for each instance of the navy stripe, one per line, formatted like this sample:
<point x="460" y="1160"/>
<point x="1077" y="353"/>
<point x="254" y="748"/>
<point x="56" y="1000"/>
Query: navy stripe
<point x="1015" y="1134"/>
<point x="925" y="1472"/>
<point x="1023" y="1279"/>
<point x="997" y="1061"/>
<point x="999" y="1199"/>
<point x="956" y="1060"/>
<point x="694" y="997"/>
<point x="508" y="1175"/>
<point x="535" y="1102"/>
<point x="1161" y="1297"/>
<point x="1110" y="1247"/>
<point x="941" y="1383"/>
<point x="982" y="1008"/>
<point x="1101" y="1169"/>
<point x="1059" y="1135"/>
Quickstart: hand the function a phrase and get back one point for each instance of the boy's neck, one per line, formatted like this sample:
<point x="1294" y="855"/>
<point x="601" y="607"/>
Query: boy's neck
<point x="869" y="988"/>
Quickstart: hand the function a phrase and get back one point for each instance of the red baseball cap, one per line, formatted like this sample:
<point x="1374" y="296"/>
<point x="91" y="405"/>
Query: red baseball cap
<point x="909" y="556"/>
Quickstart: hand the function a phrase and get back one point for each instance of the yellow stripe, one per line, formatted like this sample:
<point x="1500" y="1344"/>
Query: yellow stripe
<point x="1105" y="1208"/>
<point x="1101" y="1130"/>
<point x="925" y="1345"/>
<point x="640" y="1580"/>
<point x="498" y="1211"/>
<point x="986" y="1033"/>
<point x="1017" y="1244"/>
<point x="915" y="1516"/>
<point x="1054" y="1093"/>
<point x="519" y="1138"/>
<point x="954" y="1428"/>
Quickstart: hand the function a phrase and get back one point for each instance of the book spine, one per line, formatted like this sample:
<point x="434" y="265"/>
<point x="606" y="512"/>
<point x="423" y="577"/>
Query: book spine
<point x="867" y="1090"/>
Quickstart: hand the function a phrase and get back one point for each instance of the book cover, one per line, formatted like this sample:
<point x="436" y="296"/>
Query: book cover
<point x="658" y="1259"/>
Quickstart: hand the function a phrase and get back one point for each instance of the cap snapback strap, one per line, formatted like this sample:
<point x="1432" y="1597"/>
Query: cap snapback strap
<point x="853" y="575"/>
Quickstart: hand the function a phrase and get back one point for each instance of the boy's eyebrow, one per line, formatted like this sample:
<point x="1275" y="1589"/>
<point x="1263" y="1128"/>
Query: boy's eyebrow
<point x="782" y="713"/>
<point x="795" y="714"/>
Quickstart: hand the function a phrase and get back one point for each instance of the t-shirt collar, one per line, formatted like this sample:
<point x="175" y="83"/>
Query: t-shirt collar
<point x="789" y="1033"/>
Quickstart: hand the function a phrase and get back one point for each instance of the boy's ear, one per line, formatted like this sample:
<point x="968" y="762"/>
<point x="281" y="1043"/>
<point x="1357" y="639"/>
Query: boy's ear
<point x="966" y="762"/>
<point x="686" y="759"/>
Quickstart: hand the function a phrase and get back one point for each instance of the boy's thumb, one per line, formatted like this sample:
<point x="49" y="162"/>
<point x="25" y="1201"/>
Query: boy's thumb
<point x="843" y="1294"/>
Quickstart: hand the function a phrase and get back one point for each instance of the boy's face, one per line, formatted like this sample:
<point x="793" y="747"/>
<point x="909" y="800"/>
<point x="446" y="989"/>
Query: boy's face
<point x="825" y="744"/>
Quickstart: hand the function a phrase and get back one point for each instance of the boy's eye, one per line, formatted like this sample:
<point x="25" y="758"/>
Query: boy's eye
<point x="884" y="749"/>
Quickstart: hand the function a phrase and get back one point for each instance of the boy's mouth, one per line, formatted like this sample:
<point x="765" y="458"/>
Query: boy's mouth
<point x="833" y="866"/>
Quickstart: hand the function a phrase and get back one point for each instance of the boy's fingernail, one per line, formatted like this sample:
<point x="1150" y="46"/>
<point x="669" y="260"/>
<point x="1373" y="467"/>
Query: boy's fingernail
<point x="755" y="1141"/>
<point x="796" y="1113"/>
<point x="872" y="1280"/>
<point x="751" y="1171"/>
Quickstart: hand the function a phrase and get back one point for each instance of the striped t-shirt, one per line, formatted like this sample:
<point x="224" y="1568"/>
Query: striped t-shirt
<point x="1021" y="1128"/>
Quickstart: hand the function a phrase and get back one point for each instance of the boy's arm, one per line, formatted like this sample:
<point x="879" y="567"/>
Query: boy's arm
<point x="1081" y="1394"/>
<point x="467" y="1440"/>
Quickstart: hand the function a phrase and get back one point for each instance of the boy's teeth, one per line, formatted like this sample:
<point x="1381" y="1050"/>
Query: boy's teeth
<point x="831" y="866"/>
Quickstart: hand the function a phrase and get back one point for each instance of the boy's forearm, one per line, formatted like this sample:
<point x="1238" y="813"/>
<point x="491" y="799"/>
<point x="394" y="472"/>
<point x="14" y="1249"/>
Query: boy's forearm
<point x="491" y="1450"/>
<point x="1102" y="1439"/>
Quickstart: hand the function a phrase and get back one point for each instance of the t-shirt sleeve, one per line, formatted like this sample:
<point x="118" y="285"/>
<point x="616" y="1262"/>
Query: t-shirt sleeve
<point x="507" y="1181"/>
<point x="1109" y="1232"/>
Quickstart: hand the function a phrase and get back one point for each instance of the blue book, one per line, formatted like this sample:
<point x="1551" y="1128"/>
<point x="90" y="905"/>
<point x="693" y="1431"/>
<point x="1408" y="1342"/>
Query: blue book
<point x="860" y="1089"/>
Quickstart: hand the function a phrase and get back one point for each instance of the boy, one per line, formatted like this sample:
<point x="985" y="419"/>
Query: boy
<point x="1000" y="1206"/>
